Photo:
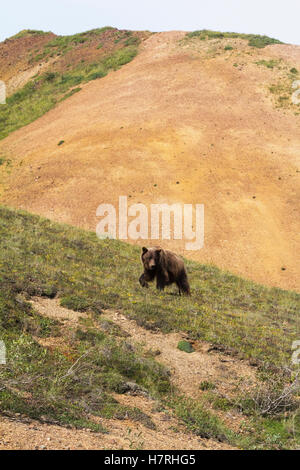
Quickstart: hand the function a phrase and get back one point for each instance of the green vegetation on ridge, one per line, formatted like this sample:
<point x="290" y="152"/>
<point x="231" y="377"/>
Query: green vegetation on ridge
<point x="28" y="32"/>
<point x="254" y="40"/>
<point x="60" y="45"/>
<point x="45" y="90"/>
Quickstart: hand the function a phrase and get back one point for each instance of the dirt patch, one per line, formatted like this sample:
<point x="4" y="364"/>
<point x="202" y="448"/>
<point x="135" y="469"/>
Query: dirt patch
<point x="15" y="54"/>
<point x="17" y="433"/>
<point x="187" y="370"/>
<point x="20" y="79"/>
<point x="190" y="369"/>
<point x="52" y="308"/>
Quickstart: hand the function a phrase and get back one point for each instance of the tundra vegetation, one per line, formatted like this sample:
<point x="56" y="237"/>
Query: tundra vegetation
<point x="61" y="80"/>
<point x="28" y="32"/>
<point x="77" y="379"/>
<point x="254" y="40"/>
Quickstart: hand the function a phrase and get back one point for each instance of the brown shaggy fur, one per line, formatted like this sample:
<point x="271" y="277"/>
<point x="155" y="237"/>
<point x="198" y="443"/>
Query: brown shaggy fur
<point x="166" y="267"/>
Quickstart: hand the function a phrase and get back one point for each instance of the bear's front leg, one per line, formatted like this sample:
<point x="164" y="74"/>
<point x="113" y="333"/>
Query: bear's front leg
<point x="146" y="277"/>
<point x="142" y="281"/>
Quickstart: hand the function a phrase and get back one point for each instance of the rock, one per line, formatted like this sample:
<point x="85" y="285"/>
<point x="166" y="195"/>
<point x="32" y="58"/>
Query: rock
<point x="132" y="388"/>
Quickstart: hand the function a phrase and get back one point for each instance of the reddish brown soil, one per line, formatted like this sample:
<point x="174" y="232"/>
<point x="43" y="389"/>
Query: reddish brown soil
<point x="15" y="66"/>
<point x="180" y="123"/>
<point x="21" y="57"/>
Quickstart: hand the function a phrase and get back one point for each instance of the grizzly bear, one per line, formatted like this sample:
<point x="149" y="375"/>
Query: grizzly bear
<point x="166" y="267"/>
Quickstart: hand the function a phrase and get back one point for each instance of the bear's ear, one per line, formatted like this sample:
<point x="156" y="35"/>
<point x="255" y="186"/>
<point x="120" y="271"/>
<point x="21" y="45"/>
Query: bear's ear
<point x="144" y="249"/>
<point x="159" y="250"/>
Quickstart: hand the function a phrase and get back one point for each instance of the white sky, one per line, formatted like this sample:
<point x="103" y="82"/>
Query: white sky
<point x="275" y="18"/>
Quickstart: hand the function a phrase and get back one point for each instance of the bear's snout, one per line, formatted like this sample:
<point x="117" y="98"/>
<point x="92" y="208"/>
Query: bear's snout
<point x="152" y="264"/>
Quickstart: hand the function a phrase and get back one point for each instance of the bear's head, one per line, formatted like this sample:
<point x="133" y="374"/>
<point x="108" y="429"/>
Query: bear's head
<point x="151" y="257"/>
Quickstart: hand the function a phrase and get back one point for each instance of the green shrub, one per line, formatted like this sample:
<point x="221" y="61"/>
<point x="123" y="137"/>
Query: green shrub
<point x="50" y="76"/>
<point x="270" y="64"/>
<point x="98" y="74"/>
<point x="205" y="385"/>
<point x="185" y="346"/>
<point x="254" y="40"/>
<point x="71" y="93"/>
<point x="262" y="41"/>
<point x="200" y="421"/>
<point x="74" y="302"/>
<point x="132" y="41"/>
<point x="222" y="403"/>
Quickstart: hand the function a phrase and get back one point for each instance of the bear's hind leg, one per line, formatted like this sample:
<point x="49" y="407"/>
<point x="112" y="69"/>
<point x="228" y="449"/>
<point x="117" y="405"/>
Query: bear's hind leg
<point x="183" y="285"/>
<point x="179" y="287"/>
<point x="159" y="285"/>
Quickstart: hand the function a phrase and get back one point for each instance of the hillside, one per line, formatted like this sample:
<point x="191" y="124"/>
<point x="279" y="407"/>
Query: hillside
<point x="41" y="69"/>
<point x="192" y="118"/>
<point x="89" y="349"/>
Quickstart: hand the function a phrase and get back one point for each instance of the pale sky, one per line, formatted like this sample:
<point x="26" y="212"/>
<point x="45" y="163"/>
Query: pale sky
<point x="275" y="18"/>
